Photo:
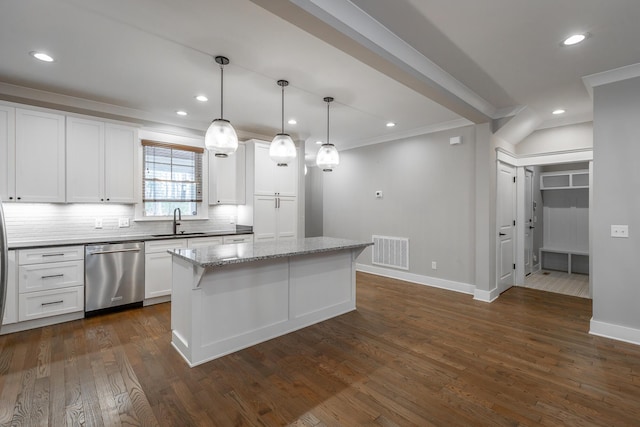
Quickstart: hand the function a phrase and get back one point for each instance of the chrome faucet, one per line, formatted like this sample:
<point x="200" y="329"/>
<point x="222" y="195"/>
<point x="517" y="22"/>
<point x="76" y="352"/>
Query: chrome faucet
<point x="175" y="222"/>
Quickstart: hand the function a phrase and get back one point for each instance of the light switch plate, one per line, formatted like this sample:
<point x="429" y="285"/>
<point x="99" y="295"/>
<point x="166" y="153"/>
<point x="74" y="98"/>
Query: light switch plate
<point x="378" y="194"/>
<point x="621" y="231"/>
<point x="123" y="222"/>
<point x="98" y="223"/>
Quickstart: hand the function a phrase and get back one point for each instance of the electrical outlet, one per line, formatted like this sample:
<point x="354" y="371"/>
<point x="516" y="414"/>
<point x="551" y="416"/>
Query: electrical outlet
<point x="434" y="265"/>
<point x="535" y="258"/>
<point x="98" y="223"/>
<point x="620" y="231"/>
<point x="123" y="222"/>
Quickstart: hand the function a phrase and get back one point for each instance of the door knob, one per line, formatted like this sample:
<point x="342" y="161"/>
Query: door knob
<point x="502" y="234"/>
<point x="531" y="227"/>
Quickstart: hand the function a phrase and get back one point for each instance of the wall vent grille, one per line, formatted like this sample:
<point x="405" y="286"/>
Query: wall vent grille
<point x="391" y="252"/>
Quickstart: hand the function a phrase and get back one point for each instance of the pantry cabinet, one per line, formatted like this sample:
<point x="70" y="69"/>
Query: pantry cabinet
<point x="275" y="218"/>
<point x="101" y="161"/>
<point x="271" y="179"/>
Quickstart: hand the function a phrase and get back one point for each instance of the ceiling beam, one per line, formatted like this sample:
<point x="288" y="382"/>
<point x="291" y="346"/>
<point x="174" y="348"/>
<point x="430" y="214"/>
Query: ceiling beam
<point x="346" y="27"/>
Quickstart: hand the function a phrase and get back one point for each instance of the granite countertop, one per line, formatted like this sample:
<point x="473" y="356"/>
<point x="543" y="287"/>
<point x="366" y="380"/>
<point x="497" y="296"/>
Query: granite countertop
<point x="122" y="239"/>
<point x="219" y="255"/>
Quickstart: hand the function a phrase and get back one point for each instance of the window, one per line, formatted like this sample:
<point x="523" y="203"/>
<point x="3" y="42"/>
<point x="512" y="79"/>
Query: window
<point x="172" y="178"/>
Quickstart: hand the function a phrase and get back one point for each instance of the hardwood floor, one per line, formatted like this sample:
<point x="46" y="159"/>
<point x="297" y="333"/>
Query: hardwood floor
<point x="410" y="355"/>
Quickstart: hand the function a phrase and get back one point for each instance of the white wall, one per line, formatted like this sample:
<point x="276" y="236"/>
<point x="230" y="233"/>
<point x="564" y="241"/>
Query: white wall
<point x="428" y="196"/>
<point x="616" y="179"/>
<point x="562" y="138"/>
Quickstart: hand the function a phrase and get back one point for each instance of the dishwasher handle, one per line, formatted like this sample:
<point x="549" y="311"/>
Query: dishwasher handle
<point x="115" y="251"/>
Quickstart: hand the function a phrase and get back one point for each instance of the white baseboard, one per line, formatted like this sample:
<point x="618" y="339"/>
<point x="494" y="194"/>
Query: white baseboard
<point x="616" y="332"/>
<point x="486" y="296"/>
<point x="434" y="282"/>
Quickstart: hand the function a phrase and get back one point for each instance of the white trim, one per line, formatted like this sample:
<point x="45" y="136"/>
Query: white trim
<point x="568" y="156"/>
<point x="486" y="296"/>
<point x="433" y="282"/>
<point x="611" y="76"/>
<point x="615" y="332"/>
<point x="425" y="130"/>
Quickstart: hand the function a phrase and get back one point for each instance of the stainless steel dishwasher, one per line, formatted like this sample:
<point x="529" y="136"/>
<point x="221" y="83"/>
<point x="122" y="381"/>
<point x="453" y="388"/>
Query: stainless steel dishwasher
<point x="114" y="275"/>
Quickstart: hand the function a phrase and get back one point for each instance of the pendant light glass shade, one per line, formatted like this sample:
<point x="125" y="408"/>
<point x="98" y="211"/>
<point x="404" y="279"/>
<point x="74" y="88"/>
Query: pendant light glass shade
<point x="282" y="149"/>
<point x="328" y="157"/>
<point x="221" y="137"/>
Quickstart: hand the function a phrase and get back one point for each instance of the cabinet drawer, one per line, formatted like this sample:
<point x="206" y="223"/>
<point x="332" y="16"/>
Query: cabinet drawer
<point x="246" y="238"/>
<point x="155" y="246"/>
<point x="35" y="305"/>
<point x="44" y="255"/>
<point x="203" y="242"/>
<point x="42" y="277"/>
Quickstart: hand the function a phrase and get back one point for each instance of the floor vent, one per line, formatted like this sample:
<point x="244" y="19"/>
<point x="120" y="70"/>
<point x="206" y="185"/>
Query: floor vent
<point x="391" y="252"/>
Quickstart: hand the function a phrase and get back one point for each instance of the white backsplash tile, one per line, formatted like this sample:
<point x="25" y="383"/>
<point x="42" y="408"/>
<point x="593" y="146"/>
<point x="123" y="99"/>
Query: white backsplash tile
<point x="43" y="221"/>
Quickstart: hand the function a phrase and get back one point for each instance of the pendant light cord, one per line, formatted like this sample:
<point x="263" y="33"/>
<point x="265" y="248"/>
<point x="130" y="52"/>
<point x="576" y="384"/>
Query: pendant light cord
<point x="328" y="122"/>
<point x="282" y="108"/>
<point x="222" y="91"/>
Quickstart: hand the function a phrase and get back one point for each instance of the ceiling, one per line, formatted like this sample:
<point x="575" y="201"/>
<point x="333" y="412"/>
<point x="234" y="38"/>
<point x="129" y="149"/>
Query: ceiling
<point x="424" y="64"/>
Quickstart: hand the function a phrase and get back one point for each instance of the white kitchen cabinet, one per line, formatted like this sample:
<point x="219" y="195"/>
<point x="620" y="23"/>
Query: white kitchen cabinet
<point x="157" y="266"/>
<point x="50" y="281"/>
<point x="275" y="218"/>
<point x="203" y="242"/>
<point x="244" y="238"/>
<point x="227" y="178"/>
<point x="7" y="152"/>
<point x="101" y="161"/>
<point x="39" y="157"/>
<point x="271" y="179"/>
<point x="11" y="303"/>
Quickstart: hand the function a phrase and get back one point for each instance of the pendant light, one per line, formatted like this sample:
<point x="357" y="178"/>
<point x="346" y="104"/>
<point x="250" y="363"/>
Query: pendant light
<point x="221" y="138"/>
<point x="328" y="157"/>
<point x="282" y="149"/>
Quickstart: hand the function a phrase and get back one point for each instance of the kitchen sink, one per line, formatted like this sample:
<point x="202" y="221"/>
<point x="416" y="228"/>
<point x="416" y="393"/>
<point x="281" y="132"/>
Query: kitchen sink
<point x="177" y="235"/>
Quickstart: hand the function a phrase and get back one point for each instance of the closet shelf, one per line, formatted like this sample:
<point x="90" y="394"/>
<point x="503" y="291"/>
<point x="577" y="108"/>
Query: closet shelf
<point x="565" y="180"/>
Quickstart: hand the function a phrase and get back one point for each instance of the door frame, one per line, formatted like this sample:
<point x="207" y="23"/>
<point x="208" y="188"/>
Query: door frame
<point x="542" y="159"/>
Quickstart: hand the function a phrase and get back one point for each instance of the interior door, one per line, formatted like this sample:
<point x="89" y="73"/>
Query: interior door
<point x="528" y="225"/>
<point x="506" y="214"/>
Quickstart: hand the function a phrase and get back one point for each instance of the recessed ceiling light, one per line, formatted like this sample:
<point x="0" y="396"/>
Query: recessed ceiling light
<point x="202" y="98"/>
<point x="574" y="39"/>
<point x="390" y="124"/>
<point x="558" y="111"/>
<point x="292" y="121"/>
<point x="319" y="142"/>
<point x="41" y="56"/>
<point x="181" y="113"/>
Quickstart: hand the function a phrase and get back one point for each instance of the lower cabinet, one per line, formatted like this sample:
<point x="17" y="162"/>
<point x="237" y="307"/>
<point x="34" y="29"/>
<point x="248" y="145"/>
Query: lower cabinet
<point x="157" y="266"/>
<point x="50" y="282"/>
<point x="245" y="238"/>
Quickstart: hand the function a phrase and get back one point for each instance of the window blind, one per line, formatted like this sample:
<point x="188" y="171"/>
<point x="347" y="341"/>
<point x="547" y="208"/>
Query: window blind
<point x="172" y="173"/>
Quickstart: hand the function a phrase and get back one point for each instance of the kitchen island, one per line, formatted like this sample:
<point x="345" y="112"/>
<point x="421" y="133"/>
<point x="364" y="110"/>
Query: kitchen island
<point x="229" y="297"/>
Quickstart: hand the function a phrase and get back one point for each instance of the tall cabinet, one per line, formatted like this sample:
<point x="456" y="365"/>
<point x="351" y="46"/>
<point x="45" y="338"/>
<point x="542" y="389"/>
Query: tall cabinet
<point x="275" y="199"/>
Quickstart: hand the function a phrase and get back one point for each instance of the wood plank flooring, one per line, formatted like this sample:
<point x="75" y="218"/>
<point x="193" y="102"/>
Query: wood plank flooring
<point x="410" y="355"/>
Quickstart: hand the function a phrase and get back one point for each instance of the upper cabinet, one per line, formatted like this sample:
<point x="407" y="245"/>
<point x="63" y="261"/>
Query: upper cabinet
<point x="227" y="182"/>
<point x="7" y="151"/>
<point x="271" y="179"/>
<point x="101" y="161"/>
<point x="564" y="180"/>
<point x="39" y="157"/>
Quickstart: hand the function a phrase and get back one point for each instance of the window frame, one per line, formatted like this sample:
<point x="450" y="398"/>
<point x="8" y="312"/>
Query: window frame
<point x="201" y="206"/>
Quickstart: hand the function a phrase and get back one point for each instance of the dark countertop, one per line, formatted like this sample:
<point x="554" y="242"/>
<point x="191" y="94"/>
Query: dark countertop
<point x="126" y="238"/>
<point x="219" y="255"/>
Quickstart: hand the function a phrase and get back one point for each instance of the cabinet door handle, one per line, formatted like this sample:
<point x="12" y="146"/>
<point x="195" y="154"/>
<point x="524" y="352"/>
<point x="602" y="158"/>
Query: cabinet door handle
<point x="52" y="276"/>
<point x="502" y="234"/>
<point x="47" y="255"/>
<point x="52" y="302"/>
